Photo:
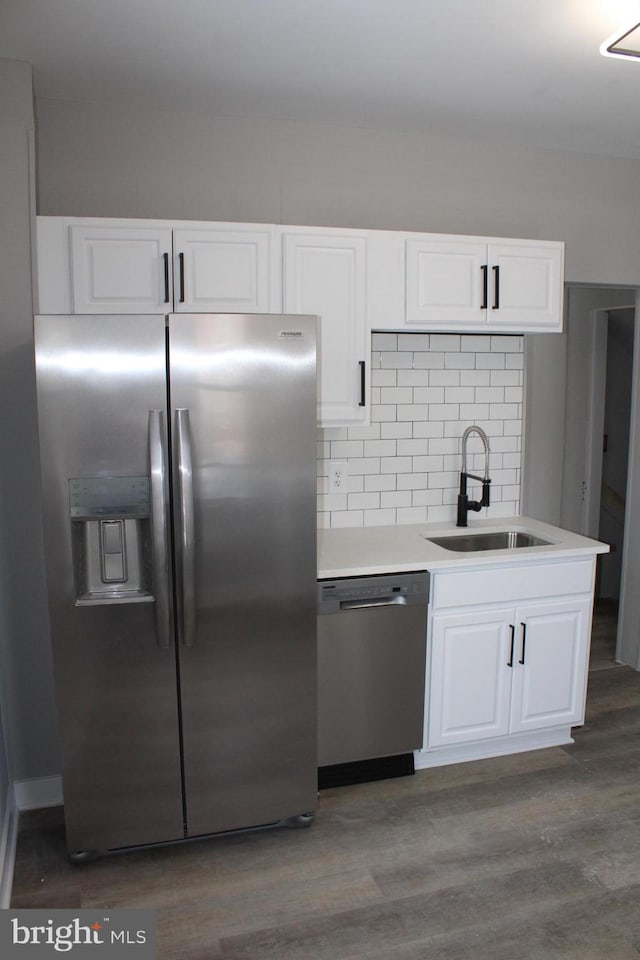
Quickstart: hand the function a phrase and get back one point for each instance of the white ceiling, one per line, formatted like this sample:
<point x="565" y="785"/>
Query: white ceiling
<point x="519" y="71"/>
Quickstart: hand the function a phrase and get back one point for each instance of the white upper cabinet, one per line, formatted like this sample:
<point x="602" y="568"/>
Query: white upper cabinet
<point x="475" y="284"/>
<point x="120" y="269"/>
<point x="325" y="273"/>
<point x="134" y="266"/>
<point x="229" y="269"/>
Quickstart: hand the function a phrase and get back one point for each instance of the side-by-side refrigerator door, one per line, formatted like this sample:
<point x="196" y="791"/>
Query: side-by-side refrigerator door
<point x="103" y="441"/>
<point x="243" y="397"/>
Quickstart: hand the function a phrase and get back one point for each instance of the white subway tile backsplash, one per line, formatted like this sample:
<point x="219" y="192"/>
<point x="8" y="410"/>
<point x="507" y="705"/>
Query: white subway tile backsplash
<point x="412" y="411"/>
<point x="413" y="448"/>
<point x="371" y="432"/>
<point x="379" y="481"/>
<point x="383" y="378"/>
<point x="426" y="388"/>
<point x="427" y="498"/>
<point x="396" y="395"/>
<point x="414" y="342"/>
<point x="384" y="341"/>
<point x="428" y="361"/>
<point x="396" y="430"/>
<point x="358" y="465"/>
<point x="427" y="464"/>
<point x="443" y="411"/>
<point x="380" y="413"/>
<point x="460" y="361"/>
<point x="341" y="449"/>
<point x="514" y="361"/>
<point x="446" y="378"/>
<point x="412" y="481"/>
<point x="472" y="412"/>
<point x="411" y="515"/>
<point x="460" y="394"/>
<point x="490" y="361"/>
<point x="427" y="428"/>
<point x="396" y="464"/>
<point x="398" y="361"/>
<point x="380" y="518"/>
<point x="474" y="344"/>
<point x="380" y="448"/>
<point x="448" y="342"/>
<point x="363" y="501"/>
<point x="415" y="378"/>
<point x="490" y="394"/>
<point x="507" y="344"/>
<point x="347" y="518"/>
<point x="430" y="394"/>
<point x="476" y="378"/>
<point x="396" y="498"/>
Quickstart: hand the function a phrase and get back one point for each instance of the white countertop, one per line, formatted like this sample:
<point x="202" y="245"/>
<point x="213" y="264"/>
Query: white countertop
<point x="362" y="551"/>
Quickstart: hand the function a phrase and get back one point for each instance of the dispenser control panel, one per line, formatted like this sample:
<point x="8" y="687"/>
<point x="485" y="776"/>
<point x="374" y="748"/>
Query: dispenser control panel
<point x="94" y="498"/>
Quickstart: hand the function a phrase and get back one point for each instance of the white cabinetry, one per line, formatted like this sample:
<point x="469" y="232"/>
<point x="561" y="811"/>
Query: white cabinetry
<point x="477" y="284"/>
<point x="508" y="653"/>
<point x="325" y="273"/>
<point x="116" y="266"/>
<point x="225" y="269"/>
<point x="119" y="269"/>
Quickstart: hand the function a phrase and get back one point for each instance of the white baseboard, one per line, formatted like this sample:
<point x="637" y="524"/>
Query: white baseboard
<point x="21" y="795"/>
<point x="33" y="794"/>
<point x="498" y="747"/>
<point x="8" y="840"/>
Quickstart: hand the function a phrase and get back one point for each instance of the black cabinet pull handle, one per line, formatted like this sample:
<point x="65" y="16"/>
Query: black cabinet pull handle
<point x="165" y="259"/>
<point x="524" y="642"/>
<point x="485" y="286"/>
<point x="181" y="268"/>
<point x="363" y="399"/>
<point x="496" y="287"/>
<point x="513" y="639"/>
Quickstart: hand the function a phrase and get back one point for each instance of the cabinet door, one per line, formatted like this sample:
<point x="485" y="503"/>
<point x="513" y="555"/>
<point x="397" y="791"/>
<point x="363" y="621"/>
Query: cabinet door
<point x="224" y="270"/>
<point x="470" y="677"/>
<point x="526" y="285"/>
<point x="551" y="660"/>
<point x="325" y="274"/>
<point x="446" y="282"/>
<point x="120" y="269"/>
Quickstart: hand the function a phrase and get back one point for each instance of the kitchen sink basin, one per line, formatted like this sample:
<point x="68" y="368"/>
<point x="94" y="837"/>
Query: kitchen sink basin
<point x="502" y="540"/>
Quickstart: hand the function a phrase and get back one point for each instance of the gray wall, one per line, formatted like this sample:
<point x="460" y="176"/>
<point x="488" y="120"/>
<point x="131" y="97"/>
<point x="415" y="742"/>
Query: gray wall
<point x="103" y="160"/>
<point x="26" y="692"/>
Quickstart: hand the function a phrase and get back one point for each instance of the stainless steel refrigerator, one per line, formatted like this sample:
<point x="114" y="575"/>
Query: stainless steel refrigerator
<point x="178" y="464"/>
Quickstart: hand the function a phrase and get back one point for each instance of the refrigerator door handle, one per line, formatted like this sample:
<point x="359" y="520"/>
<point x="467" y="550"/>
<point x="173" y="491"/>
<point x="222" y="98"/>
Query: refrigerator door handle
<point x="159" y="538"/>
<point x="187" y="528"/>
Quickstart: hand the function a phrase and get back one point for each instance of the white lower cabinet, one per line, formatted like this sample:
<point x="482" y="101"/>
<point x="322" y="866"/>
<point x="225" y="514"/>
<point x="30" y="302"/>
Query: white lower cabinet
<point x="501" y="675"/>
<point x="507" y="671"/>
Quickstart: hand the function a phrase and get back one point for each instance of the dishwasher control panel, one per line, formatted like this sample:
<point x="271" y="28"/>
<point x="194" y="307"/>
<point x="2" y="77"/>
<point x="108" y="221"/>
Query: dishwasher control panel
<point x="348" y="592"/>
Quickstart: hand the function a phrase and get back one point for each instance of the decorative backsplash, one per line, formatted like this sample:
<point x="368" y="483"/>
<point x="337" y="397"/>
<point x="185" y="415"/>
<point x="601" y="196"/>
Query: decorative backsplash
<point x="425" y="390"/>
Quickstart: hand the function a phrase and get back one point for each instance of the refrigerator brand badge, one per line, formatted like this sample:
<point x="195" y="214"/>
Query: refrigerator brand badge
<point x="291" y="335"/>
<point x="81" y="933"/>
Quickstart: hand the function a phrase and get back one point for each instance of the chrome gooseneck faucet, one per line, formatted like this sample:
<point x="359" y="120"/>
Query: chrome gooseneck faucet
<point x="464" y="504"/>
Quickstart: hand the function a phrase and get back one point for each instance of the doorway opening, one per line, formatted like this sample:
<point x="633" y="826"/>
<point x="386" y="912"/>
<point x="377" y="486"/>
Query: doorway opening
<point x="600" y="399"/>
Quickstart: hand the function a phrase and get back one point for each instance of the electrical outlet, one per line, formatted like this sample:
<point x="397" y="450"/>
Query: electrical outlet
<point x="338" y="475"/>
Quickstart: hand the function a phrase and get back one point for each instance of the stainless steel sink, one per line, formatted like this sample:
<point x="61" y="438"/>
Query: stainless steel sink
<point x="503" y="540"/>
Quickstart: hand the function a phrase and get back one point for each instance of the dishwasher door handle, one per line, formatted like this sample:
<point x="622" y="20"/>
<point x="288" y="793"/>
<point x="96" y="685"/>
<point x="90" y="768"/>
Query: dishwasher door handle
<point x="373" y="602"/>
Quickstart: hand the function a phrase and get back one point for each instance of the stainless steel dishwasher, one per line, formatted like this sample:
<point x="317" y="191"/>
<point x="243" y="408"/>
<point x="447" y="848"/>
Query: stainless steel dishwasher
<point x="371" y="662"/>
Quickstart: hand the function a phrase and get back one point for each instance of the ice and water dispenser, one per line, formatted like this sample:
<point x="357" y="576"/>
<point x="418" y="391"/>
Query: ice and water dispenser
<point x="111" y="539"/>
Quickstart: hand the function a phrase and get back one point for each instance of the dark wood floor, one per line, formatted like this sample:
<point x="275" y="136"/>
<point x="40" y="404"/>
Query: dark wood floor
<point x="533" y="856"/>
